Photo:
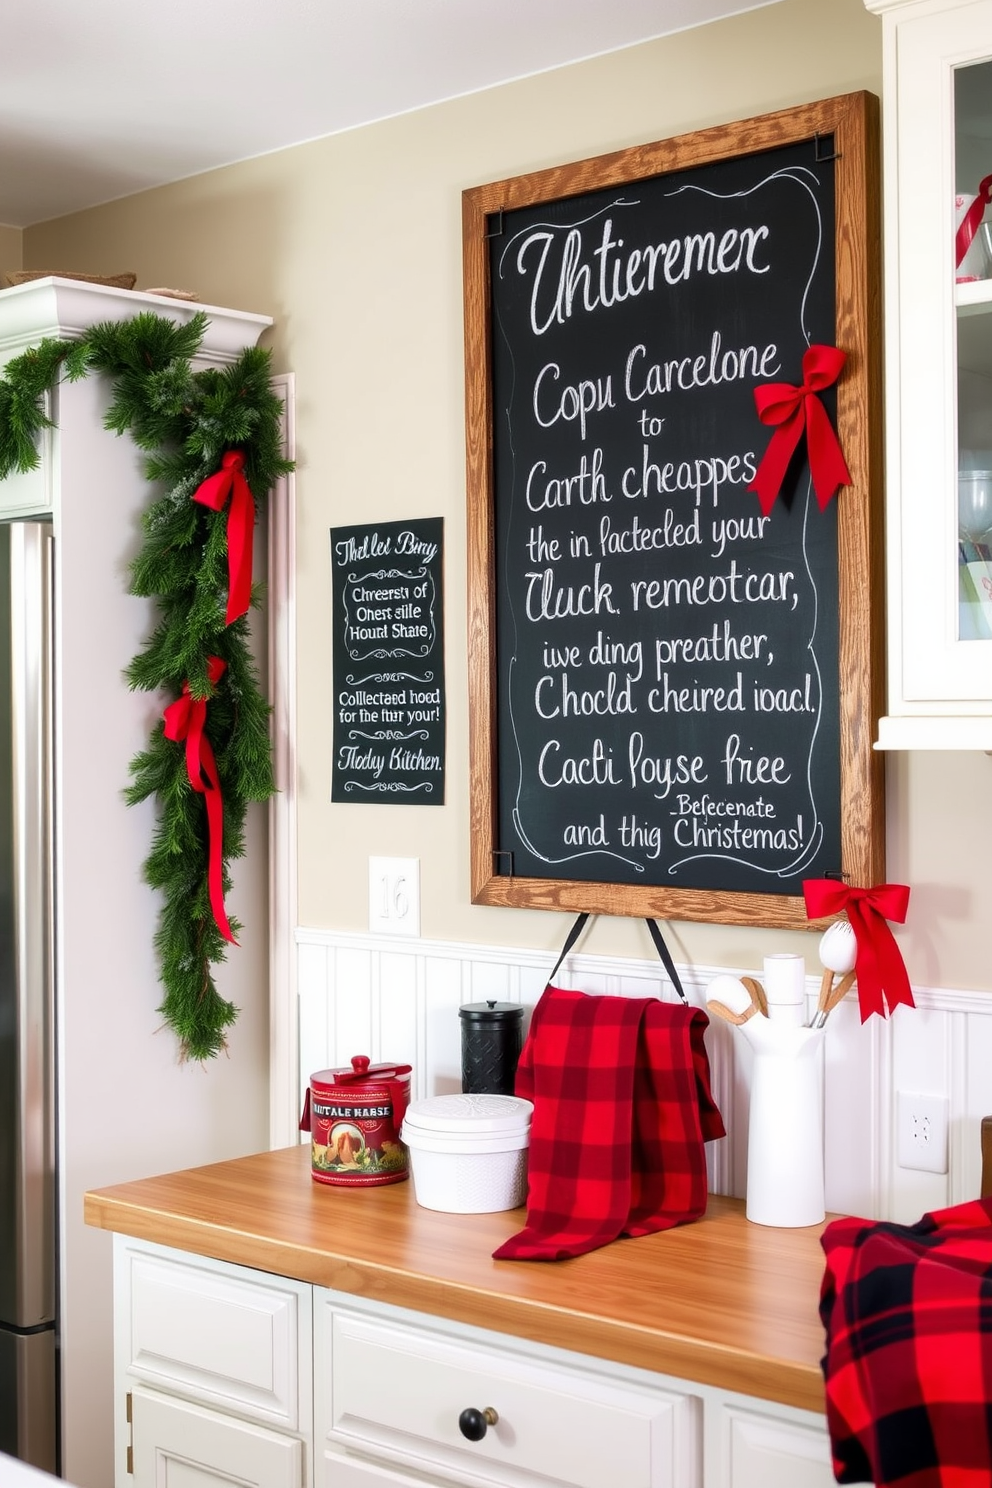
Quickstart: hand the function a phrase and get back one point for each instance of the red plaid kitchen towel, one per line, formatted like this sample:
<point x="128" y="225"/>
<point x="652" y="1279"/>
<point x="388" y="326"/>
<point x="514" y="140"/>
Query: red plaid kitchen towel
<point x="908" y="1367"/>
<point x="622" y="1107"/>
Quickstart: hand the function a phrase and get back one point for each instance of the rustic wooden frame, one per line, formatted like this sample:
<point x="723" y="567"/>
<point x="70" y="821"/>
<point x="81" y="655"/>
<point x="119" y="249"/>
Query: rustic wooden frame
<point x="852" y="121"/>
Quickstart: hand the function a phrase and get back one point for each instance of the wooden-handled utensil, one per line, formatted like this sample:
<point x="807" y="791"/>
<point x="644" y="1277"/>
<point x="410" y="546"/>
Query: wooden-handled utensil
<point x="838" y="954"/>
<point x="756" y="992"/>
<point x="729" y="998"/>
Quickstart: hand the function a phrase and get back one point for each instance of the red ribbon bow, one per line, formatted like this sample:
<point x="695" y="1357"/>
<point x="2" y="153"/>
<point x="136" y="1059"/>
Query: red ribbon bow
<point x="880" y="969"/>
<point x="971" y="221"/>
<point x="229" y="480"/>
<point x="185" y="719"/>
<point x="792" y="409"/>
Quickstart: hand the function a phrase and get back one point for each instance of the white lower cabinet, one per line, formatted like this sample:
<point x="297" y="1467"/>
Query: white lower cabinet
<point x="214" y="1372"/>
<point x="226" y="1374"/>
<point x="400" y="1390"/>
<point x="176" y="1444"/>
<point x="757" y="1448"/>
<point x="391" y="1386"/>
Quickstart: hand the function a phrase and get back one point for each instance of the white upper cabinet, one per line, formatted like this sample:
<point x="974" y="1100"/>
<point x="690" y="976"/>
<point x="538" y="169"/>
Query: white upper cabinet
<point x="937" y="130"/>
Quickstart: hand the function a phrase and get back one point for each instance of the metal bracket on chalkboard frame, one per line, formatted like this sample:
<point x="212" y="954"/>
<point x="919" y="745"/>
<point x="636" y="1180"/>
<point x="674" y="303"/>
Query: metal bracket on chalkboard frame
<point x="821" y="140"/>
<point x="837" y="873"/>
<point x="497" y="231"/>
<point x="502" y="853"/>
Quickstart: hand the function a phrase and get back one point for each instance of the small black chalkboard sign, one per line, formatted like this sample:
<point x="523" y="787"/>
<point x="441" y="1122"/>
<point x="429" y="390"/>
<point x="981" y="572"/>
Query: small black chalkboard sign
<point x="388" y="652"/>
<point x="670" y="699"/>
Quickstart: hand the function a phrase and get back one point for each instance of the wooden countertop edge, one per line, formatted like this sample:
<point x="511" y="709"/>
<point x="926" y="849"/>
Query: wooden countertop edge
<point x="721" y="1365"/>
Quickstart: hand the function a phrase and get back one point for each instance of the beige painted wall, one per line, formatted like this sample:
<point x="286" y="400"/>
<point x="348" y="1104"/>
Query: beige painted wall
<point x="11" y="247"/>
<point x="353" y="244"/>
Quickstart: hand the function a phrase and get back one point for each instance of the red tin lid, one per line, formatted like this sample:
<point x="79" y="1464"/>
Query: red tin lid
<point x="363" y="1080"/>
<point x="361" y="1072"/>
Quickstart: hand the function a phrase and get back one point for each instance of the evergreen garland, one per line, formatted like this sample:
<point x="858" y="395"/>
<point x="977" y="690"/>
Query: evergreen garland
<point x="184" y="421"/>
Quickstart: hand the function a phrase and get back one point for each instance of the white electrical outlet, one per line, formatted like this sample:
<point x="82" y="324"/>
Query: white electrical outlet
<point x="394" y="896"/>
<point x="921" y="1131"/>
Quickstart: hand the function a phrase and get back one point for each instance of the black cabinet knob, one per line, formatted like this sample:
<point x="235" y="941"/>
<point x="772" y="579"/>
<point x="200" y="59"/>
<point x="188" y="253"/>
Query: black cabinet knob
<point x="473" y="1424"/>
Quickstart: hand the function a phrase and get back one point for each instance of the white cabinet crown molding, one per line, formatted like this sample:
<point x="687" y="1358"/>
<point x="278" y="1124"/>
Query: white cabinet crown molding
<point x="69" y="307"/>
<point x="881" y="7"/>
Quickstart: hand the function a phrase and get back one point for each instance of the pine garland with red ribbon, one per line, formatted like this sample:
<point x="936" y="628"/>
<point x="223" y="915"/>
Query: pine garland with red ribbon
<point x="213" y="449"/>
<point x="185" y="722"/>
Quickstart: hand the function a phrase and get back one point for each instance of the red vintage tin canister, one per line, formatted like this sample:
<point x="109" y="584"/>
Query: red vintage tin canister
<point x="354" y="1118"/>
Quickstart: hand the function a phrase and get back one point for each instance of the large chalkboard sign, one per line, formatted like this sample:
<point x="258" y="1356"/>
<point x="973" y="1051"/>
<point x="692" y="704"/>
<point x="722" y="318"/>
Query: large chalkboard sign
<point x="673" y="692"/>
<point x="388" y="654"/>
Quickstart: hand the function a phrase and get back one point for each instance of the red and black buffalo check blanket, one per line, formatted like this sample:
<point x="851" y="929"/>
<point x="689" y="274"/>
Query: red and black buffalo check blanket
<point x="622" y="1107"/>
<point x="908" y="1368"/>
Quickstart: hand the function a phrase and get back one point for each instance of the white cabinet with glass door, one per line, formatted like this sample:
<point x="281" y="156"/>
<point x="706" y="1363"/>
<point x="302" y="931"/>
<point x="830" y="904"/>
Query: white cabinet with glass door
<point x="937" y="129"/>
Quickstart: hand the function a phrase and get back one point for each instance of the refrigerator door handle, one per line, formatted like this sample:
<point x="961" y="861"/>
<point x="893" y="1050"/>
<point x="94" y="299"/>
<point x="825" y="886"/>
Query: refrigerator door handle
<point x="31" y="692"/>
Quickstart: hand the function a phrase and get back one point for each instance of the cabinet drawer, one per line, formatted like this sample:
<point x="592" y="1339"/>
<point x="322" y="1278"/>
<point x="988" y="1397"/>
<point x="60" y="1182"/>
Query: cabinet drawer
<point x="341" y="1471"/>
<point x="763" y="1451"/>
<point x="391" y="1388"/>
<point x="231" y="1340"/>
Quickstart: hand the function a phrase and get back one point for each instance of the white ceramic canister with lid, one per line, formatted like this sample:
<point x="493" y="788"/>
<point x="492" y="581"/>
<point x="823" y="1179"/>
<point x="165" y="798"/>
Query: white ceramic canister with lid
<point x="468" y="1153"/>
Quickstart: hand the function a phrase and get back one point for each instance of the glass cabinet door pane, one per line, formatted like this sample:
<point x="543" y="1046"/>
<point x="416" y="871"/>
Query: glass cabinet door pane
<point x="973" y="293"/>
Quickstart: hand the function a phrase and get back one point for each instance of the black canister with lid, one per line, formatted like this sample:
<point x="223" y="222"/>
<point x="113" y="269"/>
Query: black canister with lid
<point x="491" y="1040"/>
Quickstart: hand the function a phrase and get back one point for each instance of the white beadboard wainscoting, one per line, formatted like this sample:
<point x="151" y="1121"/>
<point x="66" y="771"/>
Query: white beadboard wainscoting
<point x="398" y="1000"/>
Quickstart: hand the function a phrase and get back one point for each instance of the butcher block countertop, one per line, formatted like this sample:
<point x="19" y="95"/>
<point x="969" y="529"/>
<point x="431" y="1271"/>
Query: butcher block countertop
<point x="719" y="1302"/>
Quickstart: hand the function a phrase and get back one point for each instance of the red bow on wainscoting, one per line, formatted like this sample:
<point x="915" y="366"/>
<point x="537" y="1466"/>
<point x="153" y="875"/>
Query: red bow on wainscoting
<point x="229" y="480"/>
<point x="880" y="969"/>
<point x="185" y="719"/>
<point x="791" y="410"/>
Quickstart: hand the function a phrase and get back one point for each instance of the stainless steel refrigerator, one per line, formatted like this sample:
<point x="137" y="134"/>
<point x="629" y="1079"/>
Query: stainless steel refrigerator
<point x="28" y="1242"/>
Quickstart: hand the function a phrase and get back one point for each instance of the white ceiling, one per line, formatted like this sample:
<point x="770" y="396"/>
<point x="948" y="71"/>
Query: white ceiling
<point x="102" y="99"/>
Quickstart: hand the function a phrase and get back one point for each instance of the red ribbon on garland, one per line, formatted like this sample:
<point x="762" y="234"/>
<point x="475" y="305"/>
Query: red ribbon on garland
<point x="185" y="719"/>
<point x="879" y="967"/>
<point x="229" y="480"/>
<point x="791" y="410"/>
<point x="972" y="220"/>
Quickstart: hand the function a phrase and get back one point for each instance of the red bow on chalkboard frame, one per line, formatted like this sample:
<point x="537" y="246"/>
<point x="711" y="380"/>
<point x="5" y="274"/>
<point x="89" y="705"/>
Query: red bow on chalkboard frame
<point x="790" y="410"/>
